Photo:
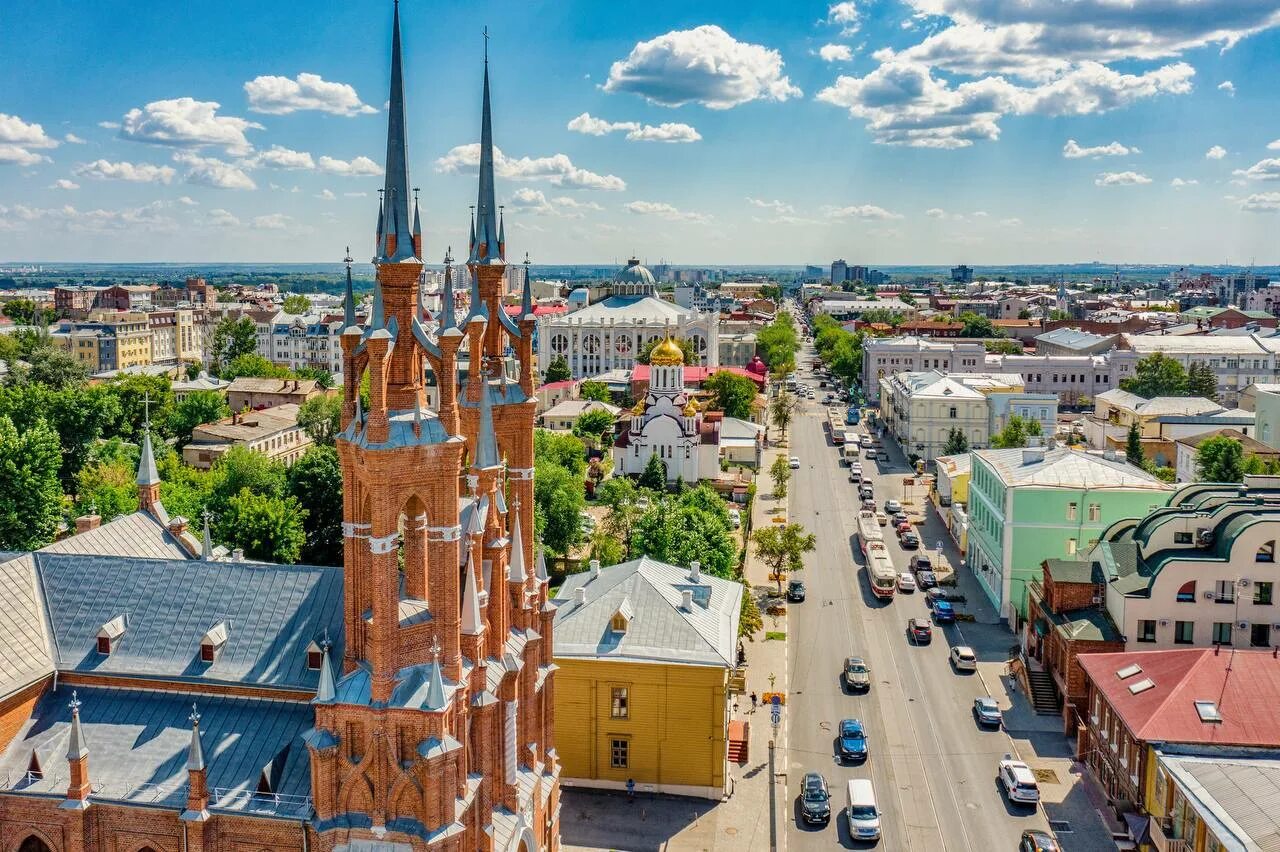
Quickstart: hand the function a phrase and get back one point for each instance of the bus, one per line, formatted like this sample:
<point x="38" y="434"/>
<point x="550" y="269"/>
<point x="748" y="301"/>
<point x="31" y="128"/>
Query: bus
<point x="884" y="579"/>
<point x="837" y="435"/>
<point x="869" y="531"/>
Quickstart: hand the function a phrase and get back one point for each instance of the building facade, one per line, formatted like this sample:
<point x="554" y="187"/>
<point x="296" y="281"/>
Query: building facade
<point x="311" y="340"/>
<point x="274" y="432"/>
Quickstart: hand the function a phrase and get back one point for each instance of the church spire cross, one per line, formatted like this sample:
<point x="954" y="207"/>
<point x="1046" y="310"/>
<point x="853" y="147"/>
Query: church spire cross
<point x="487" y="246"/>
<point x="395" y="220"/>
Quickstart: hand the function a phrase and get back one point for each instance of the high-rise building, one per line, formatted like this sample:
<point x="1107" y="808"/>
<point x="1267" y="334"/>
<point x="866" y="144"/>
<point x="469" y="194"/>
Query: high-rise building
<point x="962" y="274"/>
<point x="839" y="271"/>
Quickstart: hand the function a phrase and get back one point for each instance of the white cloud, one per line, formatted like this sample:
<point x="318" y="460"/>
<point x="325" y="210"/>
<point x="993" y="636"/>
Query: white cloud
<point x="844" y="15"/>
<point x="281" y="96"/>
<point x="355" y="195"/>
<point x="704" y="65"/>
<point x="109" y="125"/>
<point x="665" y="132"/>
<point x="557" y="169"/>
<point x="835" y="53"/>
<point x="210" y="171"/>
<point x="326" y="195"/>
<point x="1262" y="170"/>
<point x="1121" y="179"/>
<point x="188" y="201"/>
<point x="860" y="211"/>
<point x="356" y="167"/>
<point x="534" y="201"/>
<point x="775" y="205"/>
<point x="74" y="139"/>
<point x="1012" y="222"/>
<point x="19" y="141"/>
<point x="219" y="218"/>
<point x="134" y="173"/>
<point x="149" y="217"/>
<point x="904" y="104"/>
<point x="1073" y="150"/>
<point x="271" y="222"/>
<point x="980" y="214"/>
<point x="592" y="126"/>
<point x="664" y="211"/>
<point x="63" y="183"/>
<point x="280" y="157"/>
<point x="1261" y="202"/>
<point x="1217" y="152"/>
<point x="186" y="122"/>
<point x="1274" y="145"/>
<point x="1228" y="87"/>
<point x="936" y="213"/>
<point x="1179" y="183"/>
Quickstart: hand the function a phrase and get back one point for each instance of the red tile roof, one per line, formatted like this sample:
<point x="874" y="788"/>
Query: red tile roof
<point x="698" y="375"/>
<point x="1244" y="685"/>
<point x="567" y="383"/>
<point x="538" y="310"/>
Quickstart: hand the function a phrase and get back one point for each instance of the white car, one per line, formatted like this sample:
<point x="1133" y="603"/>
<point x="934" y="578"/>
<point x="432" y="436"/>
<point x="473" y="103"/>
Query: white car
<point x="963" y="658"/>
<point x="794" y="462"/>
<point x="906" y="582"/>
<point x="864" y="441"/>
<point x="1018" y="781"/>
<point x="735" y="518"/>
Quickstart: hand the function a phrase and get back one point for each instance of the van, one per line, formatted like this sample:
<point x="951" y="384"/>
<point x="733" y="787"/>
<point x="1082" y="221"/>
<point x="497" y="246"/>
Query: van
<point x="862" y="812"/>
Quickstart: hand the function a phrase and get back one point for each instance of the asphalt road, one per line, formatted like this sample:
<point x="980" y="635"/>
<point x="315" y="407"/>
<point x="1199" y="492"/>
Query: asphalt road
<point x="933" y="768"/>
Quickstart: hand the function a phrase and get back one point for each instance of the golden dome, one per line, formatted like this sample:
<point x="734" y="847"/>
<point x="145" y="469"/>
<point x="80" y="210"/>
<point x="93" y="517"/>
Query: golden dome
<point x="667" y="354"/>
<point x="638" y="408"/>
<point x="691" y="409"/>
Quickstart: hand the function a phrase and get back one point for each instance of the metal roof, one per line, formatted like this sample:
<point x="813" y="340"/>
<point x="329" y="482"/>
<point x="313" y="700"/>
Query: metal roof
<point x="639" y="309"/>
<point x="1238" y="796"/>
<point x="1066" y="468"/>
<point x="24" y="647"/>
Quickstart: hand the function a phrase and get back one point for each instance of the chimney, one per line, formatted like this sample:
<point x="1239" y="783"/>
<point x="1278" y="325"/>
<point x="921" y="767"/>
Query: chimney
<point x="695" y="572"/>
<point x="178" y="525"/>
<point x="1032" y="455"/>
<point x="1109" y="455"/>
<point x="84" y="523"/>
<point x="595" y="569"/>
<point x="237" y="555"/>
<point x="686" y="600"/>
<point x="580" y="595"/>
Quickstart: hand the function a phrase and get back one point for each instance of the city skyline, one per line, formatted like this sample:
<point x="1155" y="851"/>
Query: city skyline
<point x="918" y="132"/>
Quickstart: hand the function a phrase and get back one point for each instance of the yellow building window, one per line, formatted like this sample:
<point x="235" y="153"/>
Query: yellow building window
<point x="618" y="753"/>
<point x="618" y="708"/>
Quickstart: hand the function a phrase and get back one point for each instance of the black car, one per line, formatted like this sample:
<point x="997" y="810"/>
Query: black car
<point x="815" y="799"/>
<point x="1034" y="840"/>
<point x="909" y="541"/>
<point x="795" y="591"/>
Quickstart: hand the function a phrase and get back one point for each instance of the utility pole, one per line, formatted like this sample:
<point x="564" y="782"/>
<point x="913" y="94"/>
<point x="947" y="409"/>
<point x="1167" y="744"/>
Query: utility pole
<point x="773" y="802"/>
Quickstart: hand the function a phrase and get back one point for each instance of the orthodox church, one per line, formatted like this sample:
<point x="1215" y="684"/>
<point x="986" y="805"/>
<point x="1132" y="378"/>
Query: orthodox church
<point x="669" y="424"/>
<point x="155" y="698"/>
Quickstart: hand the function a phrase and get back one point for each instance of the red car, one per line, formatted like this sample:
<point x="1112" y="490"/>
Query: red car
<point x="901" y="527"/>
<point x="920" y="630"/>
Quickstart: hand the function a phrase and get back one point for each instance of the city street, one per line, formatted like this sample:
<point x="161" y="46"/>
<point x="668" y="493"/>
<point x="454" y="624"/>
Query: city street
<point x="933" y="768"/>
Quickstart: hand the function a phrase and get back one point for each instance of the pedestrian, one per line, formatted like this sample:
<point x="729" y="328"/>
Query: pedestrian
<point x="754" y="699"/>
<point x="631" y="788"/>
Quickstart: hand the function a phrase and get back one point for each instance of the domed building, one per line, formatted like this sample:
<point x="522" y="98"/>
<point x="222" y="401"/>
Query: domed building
<point x="668" y="424"/>
<point x="610" y="333"/>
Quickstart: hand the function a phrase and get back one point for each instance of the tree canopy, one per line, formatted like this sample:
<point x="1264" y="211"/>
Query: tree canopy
<point x="597" y="391"/>
<point x="31" y="499"/>
<point x="1220" y="459"/>
<point x="782" y="548"/>
<point x="197" y="408"/>
<point x="296" y="303"/>
<point x="591" y="426"/>
<point x="777" y="344"/>
<point x="956" y="443"/>
<point x="315" y="481"/>
<point x="1015" y="433"/>
<point x="731" y="393"/>
<point x="1157" y="375"/>
<point x="321" y="418"/>
<point x="654" y="475"/>
<point x="557" y="371"/>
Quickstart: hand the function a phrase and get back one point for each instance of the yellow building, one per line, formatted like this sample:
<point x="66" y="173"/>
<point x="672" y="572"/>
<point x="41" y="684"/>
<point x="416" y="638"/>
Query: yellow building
<point x="644" y="651"/>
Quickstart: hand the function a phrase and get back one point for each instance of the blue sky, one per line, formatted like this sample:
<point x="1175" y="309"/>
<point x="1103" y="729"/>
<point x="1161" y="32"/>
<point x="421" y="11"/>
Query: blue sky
<point x="881" y="131"/>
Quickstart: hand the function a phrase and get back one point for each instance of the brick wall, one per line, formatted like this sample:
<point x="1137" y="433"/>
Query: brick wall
<point x="16" y="710"/>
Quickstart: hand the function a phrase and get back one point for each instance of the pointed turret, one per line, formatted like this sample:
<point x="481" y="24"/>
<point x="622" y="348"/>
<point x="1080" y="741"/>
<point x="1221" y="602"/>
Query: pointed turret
<point x="77" y="746"/>
<point x="487" y="245"/>
<point x="195" y="752"/>
<point x="435" y="686"/>
<point x="526" y="293"/>
<point x="397" y="239"/>
<point x="471" y="621"/>
<point x="78" y="786"/>
<point x="377" y="314"/>
<point x="349" y="297"/>
<point x="515" y="568"/>
<point x="417" y="226"/>
<point x="502" y="231"/>
<point x="447" y="318"/>
<point x="206" y="542"/>
<point x="148" y="478"/>
<point x="540" y="567"/>
<point x="325" y="689"/>
<point x="486" y="455"/>
<point x="377" y="243"/>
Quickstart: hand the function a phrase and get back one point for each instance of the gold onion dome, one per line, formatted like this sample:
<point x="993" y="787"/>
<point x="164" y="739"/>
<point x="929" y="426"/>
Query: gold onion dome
<point x="691" y="409"/>
<point x="667" y="354"/>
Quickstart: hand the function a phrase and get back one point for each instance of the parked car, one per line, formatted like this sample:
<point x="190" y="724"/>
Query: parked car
<point x="943" y="611"/>
<point x="795" y="591"/>
<point x="963" y="659"/>
<point x="906" y="582"/>
<point x="815" y="799"/>
<point x="926" y="580"/>
<point x="881" y="518"/>
<point x="986" y="711"/>
<point x="920" y="630"/>
<point x="794" y="462"/>
<point x="909" y="540"/>
<point x="735" y="518"/>
<point x="899" y="517"/>
<point x="1035" y="840"/>
<point x="857" y="674"/>
<point x="921" y="562"/>
<point x="1018" y="781"/>
<point x="871" y="454"/>
<point x="853" y="740"/>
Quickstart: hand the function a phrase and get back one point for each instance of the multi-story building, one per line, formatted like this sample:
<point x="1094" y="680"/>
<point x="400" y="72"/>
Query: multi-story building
<point x="1187" y="451"/>
<point x="1073" y="341"/>
<point x="176" y="336"/>
<point x="846" y="306"/>
<point x="403" y="702"/>
<point x="125" y="297"/>
<point x="697" y="297"/>
<point x="650" y="702"/>
<point x="75" y="301"/>
<point x="839" y="272"/>
<point x="1160" y="421"/>
<point x="250" y="392"/>
<point x="1028" y="505"/>
<point x="962" y="274"/>
<point x="883" y="356"/>
<point x="274" y="432"/>
<point x="118" y="339"/>
<point x="1238" y="360"/>
<point x="1213" y="801"/>
<point x="307" y="341"/>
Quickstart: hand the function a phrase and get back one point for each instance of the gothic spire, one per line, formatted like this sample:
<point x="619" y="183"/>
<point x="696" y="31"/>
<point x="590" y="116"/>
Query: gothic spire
<point x="515" y="568"/>
<point x="377" y="314"/>
<point x="325" y="689"/>
<point x="540" y="567"/>
<point x="470" y="603"/>
<point x="447" y="319"/>
<point x="486" y="440"/>
<point x="147" y="473"/>
<point x="77" y="745"/>
<point x="206" y="543"/>
<point x="396" y="189"/>
<point x="417" y="217"/>
<point x="349" y="298"/>
<point x="195" y="752"/>
<point x="435" y="686"/>
<point x="487" y="246"/>
<point x="526" y="297"/>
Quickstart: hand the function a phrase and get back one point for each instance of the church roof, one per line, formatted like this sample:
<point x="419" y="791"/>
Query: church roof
<point x="642" y="309"/>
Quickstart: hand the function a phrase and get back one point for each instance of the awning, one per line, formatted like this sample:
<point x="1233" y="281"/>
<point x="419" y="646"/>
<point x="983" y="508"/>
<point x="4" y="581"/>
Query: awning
<point x="1138" y="826"/>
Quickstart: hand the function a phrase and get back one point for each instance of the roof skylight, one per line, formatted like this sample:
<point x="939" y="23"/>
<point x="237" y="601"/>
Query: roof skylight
<point x="1142" y="685"/>
<point x="1129" y="671"/>
<point x="1208" y="711"/>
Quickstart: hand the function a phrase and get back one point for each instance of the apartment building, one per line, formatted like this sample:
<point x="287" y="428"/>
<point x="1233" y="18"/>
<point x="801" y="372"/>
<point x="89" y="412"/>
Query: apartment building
<point x="311" y="340"/>
<point x="108" y="340"/>
<point x="1238" y="360"/>
<point x="176" y="337"/>
<point x="274" y="432"/>
<point x="884" y="356"/>
<point x="251" y="392"/>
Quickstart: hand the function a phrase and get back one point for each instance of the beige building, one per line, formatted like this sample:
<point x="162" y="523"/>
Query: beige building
<point x="247" y="392"/>
<point x="562" y="416"/>
<point x="921" y="409"/>
<point x="176" y="337"/>
<point x="274" y="432"/>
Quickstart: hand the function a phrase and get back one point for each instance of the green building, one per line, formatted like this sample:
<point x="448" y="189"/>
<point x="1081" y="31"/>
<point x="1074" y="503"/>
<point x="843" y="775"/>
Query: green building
<point x="1029" y="505"/>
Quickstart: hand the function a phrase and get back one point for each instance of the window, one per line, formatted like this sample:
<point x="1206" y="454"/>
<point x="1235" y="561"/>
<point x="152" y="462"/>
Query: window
<point x="1266" y="553"/>
<point x="314" y="660"/>
<point x="1146" y="630"/>
<point x="1224" y="591"/>
<point x="618" y="753"/>
<point x="1222" y="633"/>
<point x="104" y="645"/>
<point x="1262" y="593"/>
<point x="1182" y="538"/>
<point x="618" y="710"/>
<point x="1072" y="508"/>
<point x="1095" y="512"/>
<point x="952" y="413"/>
<point x="206" y="652"/>
<point x="1187" y="594"/>
<point x="1260" y="635"/>
<point x="618" y="624"/>
<point x="1184" y="632"/>
<point x="1071" y="546"/>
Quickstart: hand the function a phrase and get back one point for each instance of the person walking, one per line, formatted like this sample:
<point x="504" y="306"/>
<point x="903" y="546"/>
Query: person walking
<point x="631" y="788"/>
<point x="753" y="702"/>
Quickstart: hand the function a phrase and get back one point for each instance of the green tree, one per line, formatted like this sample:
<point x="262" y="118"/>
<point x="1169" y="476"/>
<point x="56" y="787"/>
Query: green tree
<point x="1003" y="346"/>
<point x="197" y="408"/>
<point x="267" y="528"/>
<point x="598" y="391"/>
<point x="563" y="450"/>
<point x="1133" y="446"/>
<point x="678" y="532"/>
<point x="558" y="502"/>
<point x="956" y="443"/>
<point x="321" y="418"/>
<point x="315" y="481"/>
<point x="1057" y="316"/>
<point x="141" y="397"/>
<point x="48" y="366"/>
<point x="31" y="499"/>
<point x="780" y="473"/>
<point x="1202" y="381"/>
<point x="296" y="303"/>
<point x="322" y="376"/>
<point x="621" y="496"/>
<point x="978" y="326"/>
<point x="557" y="371"/>
<point x="750" y="621"/>
<point x="107" y="487"/>
<point x="255" y="366"/>
<point x="1156" y="375"/>
<point x="782" y="548"/>
<point x="731" y="393"/>
<point x="231" y="339"/>
<point x="781" y="410"/>
<point x="607" y="548"/>
<point x="240" y="469"/>
<point x="654" y="475"/>
<point x="1220" y="459"/>
<point x="883" y="316"/>
<point x="1024" y="314"/>
<point x="686" y="346"/>
<point x="777" y="344"/>
<point x="592" y="425"/>
<point x="1015" y="433"/>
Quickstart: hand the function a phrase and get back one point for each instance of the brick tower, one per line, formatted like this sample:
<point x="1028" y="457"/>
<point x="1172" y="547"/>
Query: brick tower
<point x="437" y="731"/>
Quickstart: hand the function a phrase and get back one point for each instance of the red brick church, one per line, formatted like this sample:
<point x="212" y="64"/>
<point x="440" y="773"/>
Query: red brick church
<point x="158" y="695"/>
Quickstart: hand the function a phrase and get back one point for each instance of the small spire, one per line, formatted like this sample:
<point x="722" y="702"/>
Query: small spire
<point x="471" y="623"/>
<point x="417" y="415"/>
<point x="77" y="745"/>
<point x="435" y="689"/>
<point x="486" y="441"/>
<point x="540" y="567"/>
<point x="359" y="418"/>
<point x="147" y="473"/>
<point x="349" y="297"/>
<point x="526" y="298"/>
<point x="206" y="544"/>
<point x="378" y="239"/>
<point x="502" y="230"/>
<point x="515" y="568"/>
<point x="325" y="689"/>
<point x="377" y="316"/>
<point x="396" y="185"/>
<point x="417" y="218"/>
<point x="471" y="246"/>
<point x="447" y="319"/>
<point x="487" y="247"/>
<point x="195" y="752"/>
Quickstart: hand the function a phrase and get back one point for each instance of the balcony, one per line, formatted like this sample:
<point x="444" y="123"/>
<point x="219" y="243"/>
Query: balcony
<point x="1164" y="837"/>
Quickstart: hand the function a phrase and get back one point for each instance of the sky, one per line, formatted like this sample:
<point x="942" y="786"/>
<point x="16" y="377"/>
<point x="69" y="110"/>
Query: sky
<point x="774" y="131"/>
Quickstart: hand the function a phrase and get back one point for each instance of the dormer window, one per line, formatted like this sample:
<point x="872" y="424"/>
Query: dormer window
<point x="109" y="634"/>
<point x="622" y="617"/>
<point x="315" y="657"/>
<point x="212" y="642"/>
<point x="34" y="772"/>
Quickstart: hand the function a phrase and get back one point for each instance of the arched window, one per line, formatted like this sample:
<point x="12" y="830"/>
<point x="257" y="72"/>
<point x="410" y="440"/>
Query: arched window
<point x="1266" y="553"/>
<point x="34" y="844"/>
<point x="1187" y="594"/>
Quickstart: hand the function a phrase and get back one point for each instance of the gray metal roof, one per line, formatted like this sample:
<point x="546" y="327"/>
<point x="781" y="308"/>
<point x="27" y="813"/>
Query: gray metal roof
<point x="139" y="535"/>
<point x="138" y="747"/>
<point x="1240" y="797"/>
<point x="272" y="612"/>
<point x="24" y="646"/>
<point x="660" y="630"/>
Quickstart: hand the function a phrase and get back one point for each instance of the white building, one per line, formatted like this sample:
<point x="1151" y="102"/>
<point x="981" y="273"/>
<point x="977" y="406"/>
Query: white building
<point x="1238" y="360"/>
<point x="608" y="334"/>
<point x="310" y="340"/>
<point x="884" y="356"/>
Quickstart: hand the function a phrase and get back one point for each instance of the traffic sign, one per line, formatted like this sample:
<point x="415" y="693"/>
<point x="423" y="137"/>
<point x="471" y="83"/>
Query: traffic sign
<point x="776" y="718"/>
<point x="774" y="698"/>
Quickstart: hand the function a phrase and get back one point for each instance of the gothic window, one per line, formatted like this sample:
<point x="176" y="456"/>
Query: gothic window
<point x="34" y="844"/>
<point x="623" y="345"/>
